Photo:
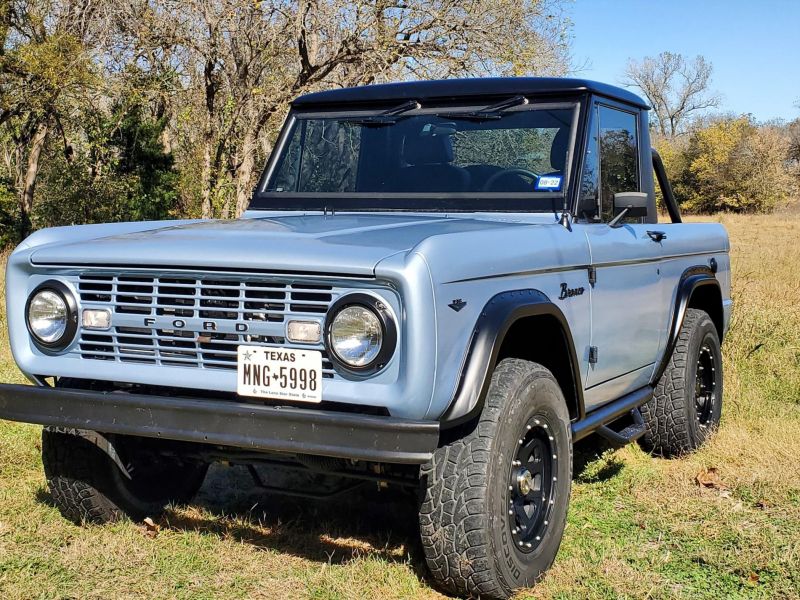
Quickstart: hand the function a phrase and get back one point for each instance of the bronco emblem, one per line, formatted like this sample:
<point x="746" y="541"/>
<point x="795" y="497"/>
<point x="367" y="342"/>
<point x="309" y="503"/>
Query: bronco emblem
<point x="567" y="292"/>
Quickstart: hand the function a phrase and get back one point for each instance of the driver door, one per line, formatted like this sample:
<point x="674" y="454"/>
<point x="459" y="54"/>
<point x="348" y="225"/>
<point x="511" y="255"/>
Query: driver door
<point x="626" y="299"/>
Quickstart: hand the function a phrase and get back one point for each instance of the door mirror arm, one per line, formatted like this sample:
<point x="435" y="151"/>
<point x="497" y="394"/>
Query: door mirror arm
<point x="615" y="222"/>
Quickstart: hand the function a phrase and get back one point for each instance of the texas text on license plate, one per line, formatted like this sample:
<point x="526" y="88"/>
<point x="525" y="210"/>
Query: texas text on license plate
<point x="280" y="373"/>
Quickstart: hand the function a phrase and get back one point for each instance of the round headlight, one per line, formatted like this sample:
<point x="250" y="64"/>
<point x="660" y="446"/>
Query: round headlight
<point x="360" y="334"/>
<point x="356" y="335"/>
<point x="51" y="315"/>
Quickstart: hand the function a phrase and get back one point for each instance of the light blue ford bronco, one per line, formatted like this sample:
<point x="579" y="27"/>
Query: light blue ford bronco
<point x="438" y="285"/>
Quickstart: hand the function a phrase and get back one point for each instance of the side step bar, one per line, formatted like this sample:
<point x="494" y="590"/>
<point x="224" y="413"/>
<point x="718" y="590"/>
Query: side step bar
<point x="598" y="419"/>
<point x="629" y="434"/>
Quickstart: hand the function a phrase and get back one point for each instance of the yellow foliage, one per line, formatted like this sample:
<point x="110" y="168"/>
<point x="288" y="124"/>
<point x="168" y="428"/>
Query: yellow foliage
<point x="732" y="164"/>
<point x="59" y="64"/>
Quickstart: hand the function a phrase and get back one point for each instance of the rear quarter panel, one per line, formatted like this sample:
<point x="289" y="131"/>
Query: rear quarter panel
<point x="695" y="244"/>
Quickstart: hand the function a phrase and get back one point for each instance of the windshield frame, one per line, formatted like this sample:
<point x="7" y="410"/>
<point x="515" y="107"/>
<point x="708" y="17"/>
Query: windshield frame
<point x="513" y="202"/>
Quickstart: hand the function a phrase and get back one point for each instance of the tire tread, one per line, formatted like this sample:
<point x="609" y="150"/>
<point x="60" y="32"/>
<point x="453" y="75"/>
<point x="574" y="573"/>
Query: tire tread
<point x="668" y="431"/>
<point x="452" y="513"/>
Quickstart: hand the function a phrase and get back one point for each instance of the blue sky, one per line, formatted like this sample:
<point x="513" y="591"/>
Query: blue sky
<point x="754" y="45"/>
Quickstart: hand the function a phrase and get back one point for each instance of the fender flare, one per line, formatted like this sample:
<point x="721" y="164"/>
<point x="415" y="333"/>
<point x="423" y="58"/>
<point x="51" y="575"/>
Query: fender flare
<point x="691" y="279"/>
<point x="494" y="322"/>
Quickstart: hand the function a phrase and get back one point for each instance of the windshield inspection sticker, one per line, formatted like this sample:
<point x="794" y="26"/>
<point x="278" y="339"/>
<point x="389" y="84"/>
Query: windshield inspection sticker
<point x="548" y="182"/>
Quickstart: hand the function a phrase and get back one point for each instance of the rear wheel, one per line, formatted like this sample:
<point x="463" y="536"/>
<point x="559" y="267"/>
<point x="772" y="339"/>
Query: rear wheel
<point x="687" y="403"/>
<point x="495" y="500"/>
<point x="88" y="485"/>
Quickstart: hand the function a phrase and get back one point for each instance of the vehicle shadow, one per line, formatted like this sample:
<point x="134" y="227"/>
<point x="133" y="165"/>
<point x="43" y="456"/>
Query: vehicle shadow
<point x="357" y="521"/>
<point x="585" y="455"/>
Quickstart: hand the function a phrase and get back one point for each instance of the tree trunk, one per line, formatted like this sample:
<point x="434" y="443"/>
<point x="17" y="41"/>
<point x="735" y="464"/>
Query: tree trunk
<point x="29" y="178"/>
<point x="205" y="177"/>
<point x="244" y="174"/>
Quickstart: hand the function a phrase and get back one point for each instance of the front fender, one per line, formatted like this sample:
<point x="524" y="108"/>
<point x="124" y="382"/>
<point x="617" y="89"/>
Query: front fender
<point x="494" y="322"/>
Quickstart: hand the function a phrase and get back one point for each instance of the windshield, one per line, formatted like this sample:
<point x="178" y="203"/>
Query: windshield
<point x="454" y="159"/>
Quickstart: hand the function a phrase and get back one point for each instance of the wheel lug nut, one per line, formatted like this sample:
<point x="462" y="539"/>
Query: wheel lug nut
<point x="529" y="427"/>
<point x="528" y="545"/>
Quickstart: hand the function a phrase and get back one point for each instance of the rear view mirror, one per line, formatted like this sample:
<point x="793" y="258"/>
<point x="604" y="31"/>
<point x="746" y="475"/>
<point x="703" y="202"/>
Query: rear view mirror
<point x="629" y="204"/>
<point x="446" y="128"/>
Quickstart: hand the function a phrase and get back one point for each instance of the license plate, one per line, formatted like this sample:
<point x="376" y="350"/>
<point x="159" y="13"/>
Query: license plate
<point x="279" y="373"/>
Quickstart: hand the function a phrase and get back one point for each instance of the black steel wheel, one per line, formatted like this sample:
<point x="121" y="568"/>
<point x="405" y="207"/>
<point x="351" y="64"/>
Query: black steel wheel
<point x="531" y="485"/>
<point x="705" y="387"/>
<point x="496" y="496"/>
<point x="687" y="403"/>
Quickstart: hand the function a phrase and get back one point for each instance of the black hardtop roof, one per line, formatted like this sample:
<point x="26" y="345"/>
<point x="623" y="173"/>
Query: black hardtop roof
<point x="444" y="90"/>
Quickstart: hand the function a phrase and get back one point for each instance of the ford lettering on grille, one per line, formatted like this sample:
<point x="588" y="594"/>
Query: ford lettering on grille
<point x="198" y="325"/>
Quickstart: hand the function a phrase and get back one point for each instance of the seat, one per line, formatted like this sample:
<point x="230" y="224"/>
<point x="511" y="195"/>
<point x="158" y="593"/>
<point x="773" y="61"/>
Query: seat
<point x="430" y="169"/>
<point x="558" y="151"/>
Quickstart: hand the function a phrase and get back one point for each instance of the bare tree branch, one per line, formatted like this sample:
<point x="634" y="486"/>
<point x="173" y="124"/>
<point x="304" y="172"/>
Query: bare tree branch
<point x="678" y="89"/>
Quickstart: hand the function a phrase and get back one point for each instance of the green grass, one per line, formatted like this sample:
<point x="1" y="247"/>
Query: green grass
<point x="639" y="527"/>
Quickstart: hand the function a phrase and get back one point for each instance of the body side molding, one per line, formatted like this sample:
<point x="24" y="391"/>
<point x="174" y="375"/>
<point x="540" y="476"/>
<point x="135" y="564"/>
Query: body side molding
<point x="495" y="320"/>
<point x="691" y="279"/>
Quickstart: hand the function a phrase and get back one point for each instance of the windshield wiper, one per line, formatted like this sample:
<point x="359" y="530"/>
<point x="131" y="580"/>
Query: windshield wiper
<point x="493" y="111"/>
<point x="385" y="117"/>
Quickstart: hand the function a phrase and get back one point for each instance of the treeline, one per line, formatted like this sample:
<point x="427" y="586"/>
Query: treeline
<point x="734" y="164"/>
<point x="148" y="109"/>
<point x="715" y="162"/>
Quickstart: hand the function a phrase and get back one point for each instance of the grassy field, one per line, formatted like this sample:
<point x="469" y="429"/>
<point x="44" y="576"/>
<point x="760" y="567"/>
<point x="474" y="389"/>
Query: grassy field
<point x="639" y="527"/>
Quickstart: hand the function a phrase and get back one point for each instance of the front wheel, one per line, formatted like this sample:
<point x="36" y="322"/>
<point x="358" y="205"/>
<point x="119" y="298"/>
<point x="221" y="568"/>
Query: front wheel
<point x="495" y="500"/>
<point x="687" y="402"/>
<point x="88" y="485"/>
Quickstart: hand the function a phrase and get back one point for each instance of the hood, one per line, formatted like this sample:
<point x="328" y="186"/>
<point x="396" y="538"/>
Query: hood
<point x="348" y="243"/>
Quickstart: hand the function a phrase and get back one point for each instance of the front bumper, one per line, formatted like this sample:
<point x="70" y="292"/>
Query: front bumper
<point x="225" y="423"/>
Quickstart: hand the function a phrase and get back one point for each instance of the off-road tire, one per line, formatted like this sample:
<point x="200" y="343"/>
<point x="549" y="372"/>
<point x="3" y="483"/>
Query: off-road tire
<point x="672" y="419"/>
<point x="87" y="486"/>
<point x="464" y="524"/>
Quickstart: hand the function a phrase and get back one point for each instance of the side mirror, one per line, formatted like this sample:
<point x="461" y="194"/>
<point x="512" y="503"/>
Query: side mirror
<point x="629" y="204"/>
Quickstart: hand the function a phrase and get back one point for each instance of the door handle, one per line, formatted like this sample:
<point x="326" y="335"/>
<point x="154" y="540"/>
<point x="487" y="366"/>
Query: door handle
<point x="657" y="236"/>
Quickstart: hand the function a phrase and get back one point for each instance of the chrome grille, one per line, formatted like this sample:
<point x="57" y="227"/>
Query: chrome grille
<point x="145" y="310"/>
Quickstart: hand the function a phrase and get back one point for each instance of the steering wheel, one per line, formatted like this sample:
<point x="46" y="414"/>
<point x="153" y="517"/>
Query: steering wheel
<point x="487" y="187"/>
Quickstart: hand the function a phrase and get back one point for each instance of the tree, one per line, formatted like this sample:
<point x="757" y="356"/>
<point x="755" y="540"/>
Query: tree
<point x="43" y="63"/>
<point x="793" y="131"/>
<point x="732" y="164"/>
<point x="245" y="61"/>
<point x="121" y="172"/>
<point x="676" y="88"/>
<point x="207" y="83"/>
